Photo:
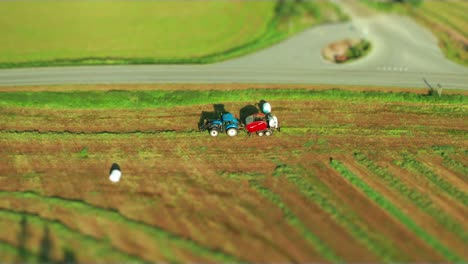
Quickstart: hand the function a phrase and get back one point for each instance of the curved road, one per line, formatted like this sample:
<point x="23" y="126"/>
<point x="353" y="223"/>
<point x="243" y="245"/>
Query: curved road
<point x="404" y="54"/>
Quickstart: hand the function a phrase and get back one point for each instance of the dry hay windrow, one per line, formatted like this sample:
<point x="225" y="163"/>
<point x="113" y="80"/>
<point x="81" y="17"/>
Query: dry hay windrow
<point x="214" y="199"/>
<point x="438" y="198"/>
<point x="50" y="240"/>
<point x="318" y="221"/>
<point x="380" y="227"/>
<point x="395" y="212"/>
<point x="428" y="222"/>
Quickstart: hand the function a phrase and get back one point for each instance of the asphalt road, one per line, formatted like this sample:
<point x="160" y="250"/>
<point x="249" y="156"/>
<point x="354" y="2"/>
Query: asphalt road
<point x="403" y="54"/>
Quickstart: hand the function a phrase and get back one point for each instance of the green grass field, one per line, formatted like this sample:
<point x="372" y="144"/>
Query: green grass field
<point x="41" y="31"/>
<point x="120" y="32"/>
<point x="447" y="20"/>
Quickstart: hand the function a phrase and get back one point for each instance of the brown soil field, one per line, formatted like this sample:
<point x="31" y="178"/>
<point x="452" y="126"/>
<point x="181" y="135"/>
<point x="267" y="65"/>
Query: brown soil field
<point x="187" y="197"/>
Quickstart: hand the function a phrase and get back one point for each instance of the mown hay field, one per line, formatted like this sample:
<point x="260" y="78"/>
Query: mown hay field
<point x="446" y="19"/>
<point x="354" y="176"/>
<point x="67" y="30"/>
<point x="449" y="22"/>
<point x="58" y="33"/>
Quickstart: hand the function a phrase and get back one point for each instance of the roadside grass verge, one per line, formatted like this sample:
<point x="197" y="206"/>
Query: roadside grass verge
<point x="394" y="211"/>
<point x="390" y="6"/>
<point x="160" y="236"/>
<point x="99" y="249"/>
<point x="412" y="164"/>
<point x="446" y="19"/>
<point x="318" y="193"/>
<point x="155" y="32"/>
<point x="161" y="98"/>
<point x="414" y="196"/>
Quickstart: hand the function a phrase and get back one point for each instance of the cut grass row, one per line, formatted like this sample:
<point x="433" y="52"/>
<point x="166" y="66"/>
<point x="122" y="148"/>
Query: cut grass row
<point x="317" y="193"/>
<point x="160" y="98"/>
<point x="154" y="32"/>
<point x="11" y="253"/>
<point x="98" y="249"/>
<point x="323" y="249"/>
<point x="422" y="201"/>
<point x="292" y="219"/>
<point x="161" y="237"/>
<point x="452" y="42"/>
<point x="394" y="211"/>
<point x="444" y="152"/>
<point x="416" y="166"/>
<point x="447" y="14"/>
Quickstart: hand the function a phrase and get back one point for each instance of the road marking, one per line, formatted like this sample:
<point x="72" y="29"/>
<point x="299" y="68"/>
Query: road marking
<point x="392" y="68"/>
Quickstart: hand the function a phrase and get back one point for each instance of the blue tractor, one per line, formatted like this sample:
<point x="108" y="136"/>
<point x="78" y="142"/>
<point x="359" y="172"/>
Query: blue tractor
<point x="227" y="123"/>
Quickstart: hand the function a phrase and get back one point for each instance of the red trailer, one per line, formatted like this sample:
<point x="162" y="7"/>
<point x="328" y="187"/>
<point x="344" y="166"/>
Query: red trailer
<point x="261" y="124"/>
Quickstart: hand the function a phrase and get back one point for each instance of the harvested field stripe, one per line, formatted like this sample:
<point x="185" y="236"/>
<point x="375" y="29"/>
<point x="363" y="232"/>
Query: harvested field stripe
<point x="6" y="249"/>
<point x="293" y="220"/>
<point x="456" y="165"/>
<point x="411" y="194"/>
<point x="77" y="226"/>
<point x="451" y="190"/>
<point x="159" y="234"/>
<point x="384" y="251"/>
<point x="101" y="247"/>
<point x="459" y="5"/>
<point x="67" y="132"/>
<point x="450" y="162"/>
<point x="442" y="19"/>
<point x="395" y="211"/>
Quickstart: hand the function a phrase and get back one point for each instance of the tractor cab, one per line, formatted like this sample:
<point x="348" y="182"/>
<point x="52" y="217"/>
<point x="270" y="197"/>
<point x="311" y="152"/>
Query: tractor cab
<point x="229" y="120"/>
<point x="227" y="123"/>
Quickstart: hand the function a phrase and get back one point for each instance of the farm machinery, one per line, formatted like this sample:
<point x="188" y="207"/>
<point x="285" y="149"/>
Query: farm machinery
<point x="227" y="123"/>
<point x="264" y="123"/>
<point x="261" y="124"/>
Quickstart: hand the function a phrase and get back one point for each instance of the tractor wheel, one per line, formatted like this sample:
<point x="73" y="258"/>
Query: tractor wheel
<point x="214" y="132"/>
<point x="260" y="134"/>
<point x="232" y="132"/>
<point x="268" y="133"/>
